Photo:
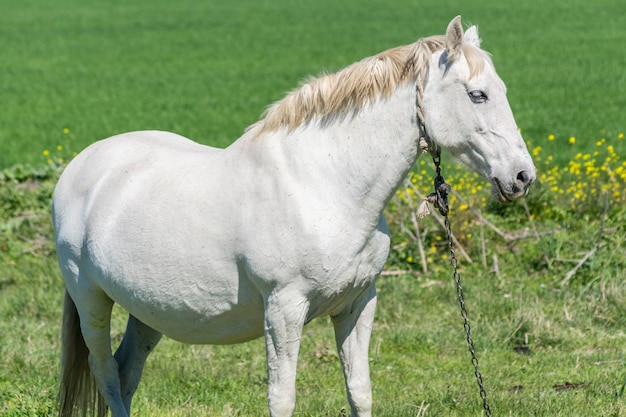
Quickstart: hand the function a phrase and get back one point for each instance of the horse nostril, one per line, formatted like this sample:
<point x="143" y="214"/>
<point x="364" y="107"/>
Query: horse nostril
<point x="524" y="178"/>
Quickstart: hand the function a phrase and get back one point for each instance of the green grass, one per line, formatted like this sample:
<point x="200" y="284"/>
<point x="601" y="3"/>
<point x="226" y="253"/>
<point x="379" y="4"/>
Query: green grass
<point x="207" y="70"/>
<point x="533" y="337"/>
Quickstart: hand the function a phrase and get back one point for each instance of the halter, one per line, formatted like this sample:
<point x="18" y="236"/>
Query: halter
<point x="439" y="198"/>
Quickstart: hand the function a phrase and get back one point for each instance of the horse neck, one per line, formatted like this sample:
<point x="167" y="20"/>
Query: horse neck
<point x="362" y="157"/>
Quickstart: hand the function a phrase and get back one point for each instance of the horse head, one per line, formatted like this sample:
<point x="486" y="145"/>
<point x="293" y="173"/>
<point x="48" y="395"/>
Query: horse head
<point x="466" y="112"/>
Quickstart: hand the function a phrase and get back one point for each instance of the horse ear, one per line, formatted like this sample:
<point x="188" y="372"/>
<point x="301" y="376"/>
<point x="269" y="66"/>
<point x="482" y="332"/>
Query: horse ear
<point x="471" y="36"/>
<point x="454" y="38"/>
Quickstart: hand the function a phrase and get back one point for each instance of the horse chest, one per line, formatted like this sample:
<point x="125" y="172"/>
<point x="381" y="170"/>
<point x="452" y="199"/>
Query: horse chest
<point x="368" y="263"/>
<point x="337" y="278"/>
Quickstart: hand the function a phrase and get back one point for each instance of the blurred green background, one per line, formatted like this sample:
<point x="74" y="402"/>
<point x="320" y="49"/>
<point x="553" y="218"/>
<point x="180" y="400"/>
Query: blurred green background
<point x="208" y="69"/>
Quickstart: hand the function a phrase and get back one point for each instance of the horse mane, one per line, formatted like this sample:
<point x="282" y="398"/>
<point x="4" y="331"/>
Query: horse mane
<point x="349" y="89"/>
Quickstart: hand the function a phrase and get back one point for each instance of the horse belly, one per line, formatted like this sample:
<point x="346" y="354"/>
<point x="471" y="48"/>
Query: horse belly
<point x="216" y="312"/>
<point x="239" y="324"/>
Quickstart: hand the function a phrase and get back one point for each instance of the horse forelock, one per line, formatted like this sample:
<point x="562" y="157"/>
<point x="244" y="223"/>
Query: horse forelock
<point x="476" y="59"/>
<point x="373" y="78"/>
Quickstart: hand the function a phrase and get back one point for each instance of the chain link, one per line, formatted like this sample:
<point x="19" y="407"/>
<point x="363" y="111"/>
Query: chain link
<point x="439" y="198"/>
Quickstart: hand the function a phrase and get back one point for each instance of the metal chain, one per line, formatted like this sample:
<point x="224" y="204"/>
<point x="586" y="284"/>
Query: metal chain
<point x="440" y="200"/>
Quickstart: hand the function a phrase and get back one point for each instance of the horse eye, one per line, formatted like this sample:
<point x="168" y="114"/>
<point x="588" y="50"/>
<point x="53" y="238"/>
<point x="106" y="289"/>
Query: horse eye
<point x="477" y="96"/>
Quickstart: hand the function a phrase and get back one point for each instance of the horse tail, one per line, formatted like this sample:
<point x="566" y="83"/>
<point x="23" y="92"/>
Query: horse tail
<point x="78" y="394"/>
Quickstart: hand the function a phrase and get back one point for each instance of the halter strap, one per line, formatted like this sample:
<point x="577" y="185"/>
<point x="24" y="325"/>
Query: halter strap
<point x="439" y="198"/>
<point x="427" y="145"/>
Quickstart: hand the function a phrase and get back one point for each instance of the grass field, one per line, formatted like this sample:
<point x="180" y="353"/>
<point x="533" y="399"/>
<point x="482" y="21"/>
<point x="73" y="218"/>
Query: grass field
<point x="74" y="72"/>
<point x="207" y="70"/>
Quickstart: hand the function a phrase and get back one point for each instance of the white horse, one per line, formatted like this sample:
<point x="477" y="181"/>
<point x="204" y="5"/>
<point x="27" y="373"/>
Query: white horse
<point x="223" y="246"/>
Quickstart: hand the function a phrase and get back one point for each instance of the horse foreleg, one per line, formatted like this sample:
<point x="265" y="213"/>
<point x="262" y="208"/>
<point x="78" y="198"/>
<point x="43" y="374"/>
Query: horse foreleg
<point x="139" y="341"/>
<point x="353" y="328"/>
<point x="285" y="313"/>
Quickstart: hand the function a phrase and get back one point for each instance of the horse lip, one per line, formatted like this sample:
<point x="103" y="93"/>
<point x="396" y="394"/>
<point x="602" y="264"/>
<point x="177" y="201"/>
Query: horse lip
<point x="497" y="191"/>
<point x="502" y="194"/>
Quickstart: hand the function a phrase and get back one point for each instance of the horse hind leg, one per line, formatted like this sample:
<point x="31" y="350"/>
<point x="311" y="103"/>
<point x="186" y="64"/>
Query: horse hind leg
<point x="138" y="342"/>
<point x="78" y="392"/>
<point x="94" y="311"/>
